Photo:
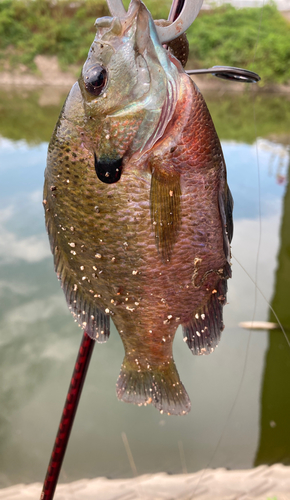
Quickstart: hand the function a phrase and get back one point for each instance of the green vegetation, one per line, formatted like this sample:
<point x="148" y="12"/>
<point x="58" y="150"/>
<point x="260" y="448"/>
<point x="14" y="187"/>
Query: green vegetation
<point x="253" y="38"/>
<point x="64" y="29"/>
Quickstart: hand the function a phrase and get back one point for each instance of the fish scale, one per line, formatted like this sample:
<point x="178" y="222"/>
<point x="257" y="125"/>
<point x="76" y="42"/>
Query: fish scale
<point x="148" y="248"/>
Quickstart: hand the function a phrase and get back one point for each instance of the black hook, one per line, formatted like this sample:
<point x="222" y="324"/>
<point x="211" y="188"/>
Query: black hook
<point x="228" y="73"/>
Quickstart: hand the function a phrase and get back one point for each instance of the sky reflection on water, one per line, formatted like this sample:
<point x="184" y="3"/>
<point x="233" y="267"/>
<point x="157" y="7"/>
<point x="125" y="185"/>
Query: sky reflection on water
<point x="39" y="342"/>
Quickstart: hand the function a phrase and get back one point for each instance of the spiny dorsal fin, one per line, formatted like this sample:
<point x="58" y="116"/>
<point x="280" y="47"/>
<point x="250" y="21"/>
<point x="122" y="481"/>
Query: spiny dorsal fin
<point x="165" y="210"/>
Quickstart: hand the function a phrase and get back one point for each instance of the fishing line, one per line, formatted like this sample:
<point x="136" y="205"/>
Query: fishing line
<point x="255" y="281"/>
<point x="260" y="291"/>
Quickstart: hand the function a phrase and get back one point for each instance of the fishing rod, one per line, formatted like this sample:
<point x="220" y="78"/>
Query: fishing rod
<point x="184" y="12"/>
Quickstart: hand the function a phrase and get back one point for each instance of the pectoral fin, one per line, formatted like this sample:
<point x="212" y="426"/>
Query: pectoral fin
<point x="165" y="211"/>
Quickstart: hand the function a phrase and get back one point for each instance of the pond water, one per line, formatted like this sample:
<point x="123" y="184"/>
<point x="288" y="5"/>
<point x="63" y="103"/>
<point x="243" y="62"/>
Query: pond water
<point x="39" y="339"/>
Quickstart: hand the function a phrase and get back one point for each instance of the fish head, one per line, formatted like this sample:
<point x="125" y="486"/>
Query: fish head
<point x="129" y="85"/>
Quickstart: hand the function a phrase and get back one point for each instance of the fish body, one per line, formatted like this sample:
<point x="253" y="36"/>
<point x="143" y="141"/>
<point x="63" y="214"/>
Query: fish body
<point x="138" y="209"/>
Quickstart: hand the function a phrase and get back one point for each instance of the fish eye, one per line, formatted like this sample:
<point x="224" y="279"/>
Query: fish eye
<point x="96" y="79"/>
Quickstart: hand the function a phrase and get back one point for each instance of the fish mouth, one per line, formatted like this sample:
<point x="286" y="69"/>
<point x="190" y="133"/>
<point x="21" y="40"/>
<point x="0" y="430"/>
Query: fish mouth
<point x="108" y="170"/>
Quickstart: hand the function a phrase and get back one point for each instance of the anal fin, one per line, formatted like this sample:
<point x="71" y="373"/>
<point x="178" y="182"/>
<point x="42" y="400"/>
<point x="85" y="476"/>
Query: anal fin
<point x="202" y="333"/>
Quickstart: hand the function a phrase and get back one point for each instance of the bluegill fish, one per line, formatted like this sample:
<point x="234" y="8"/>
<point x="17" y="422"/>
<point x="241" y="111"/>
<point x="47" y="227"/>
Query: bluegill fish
<point x="137" y="207"/>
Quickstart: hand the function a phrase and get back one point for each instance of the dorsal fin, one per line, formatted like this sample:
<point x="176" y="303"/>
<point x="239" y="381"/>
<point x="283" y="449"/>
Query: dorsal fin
<point x="83" y="305"/>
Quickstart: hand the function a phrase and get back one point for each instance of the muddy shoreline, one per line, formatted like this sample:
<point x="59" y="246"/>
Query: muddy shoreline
<point x="49" y="74"/>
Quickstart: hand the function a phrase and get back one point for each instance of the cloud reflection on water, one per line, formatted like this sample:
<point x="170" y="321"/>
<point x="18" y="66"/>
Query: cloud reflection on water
<point x="39" y="343"/>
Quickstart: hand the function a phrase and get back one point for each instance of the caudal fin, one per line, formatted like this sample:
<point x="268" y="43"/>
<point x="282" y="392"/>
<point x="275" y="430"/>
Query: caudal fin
<point x="160" y="386"/>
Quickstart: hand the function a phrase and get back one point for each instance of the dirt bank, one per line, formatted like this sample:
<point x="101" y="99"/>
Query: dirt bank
<point x="49" y="74"/>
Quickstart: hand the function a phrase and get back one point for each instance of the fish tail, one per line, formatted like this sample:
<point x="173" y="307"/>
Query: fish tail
<point x="159" y="385"/>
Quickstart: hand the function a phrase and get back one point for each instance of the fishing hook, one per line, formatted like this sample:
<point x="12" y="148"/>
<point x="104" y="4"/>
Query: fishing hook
<point x="228" y="73"/>
<point x="186" y="15"/>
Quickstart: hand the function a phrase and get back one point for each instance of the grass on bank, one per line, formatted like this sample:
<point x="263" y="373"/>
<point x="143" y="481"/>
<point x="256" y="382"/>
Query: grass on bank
<point x="253" y="38"/>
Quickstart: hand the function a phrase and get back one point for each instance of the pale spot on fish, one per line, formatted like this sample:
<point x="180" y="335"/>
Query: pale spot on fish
<point x="134" y="272"/>
<point x="107" y="310"/>
<point x="197" y="316"/>
<point x="72" y="245"/>
<point x="108" y="137"/>
<point x="202" y="316"/>
<point x="184" y="339"/>
<point x="82" y="268"/>
<point x="98" y="256"/>
<point x="198" y="334"/>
